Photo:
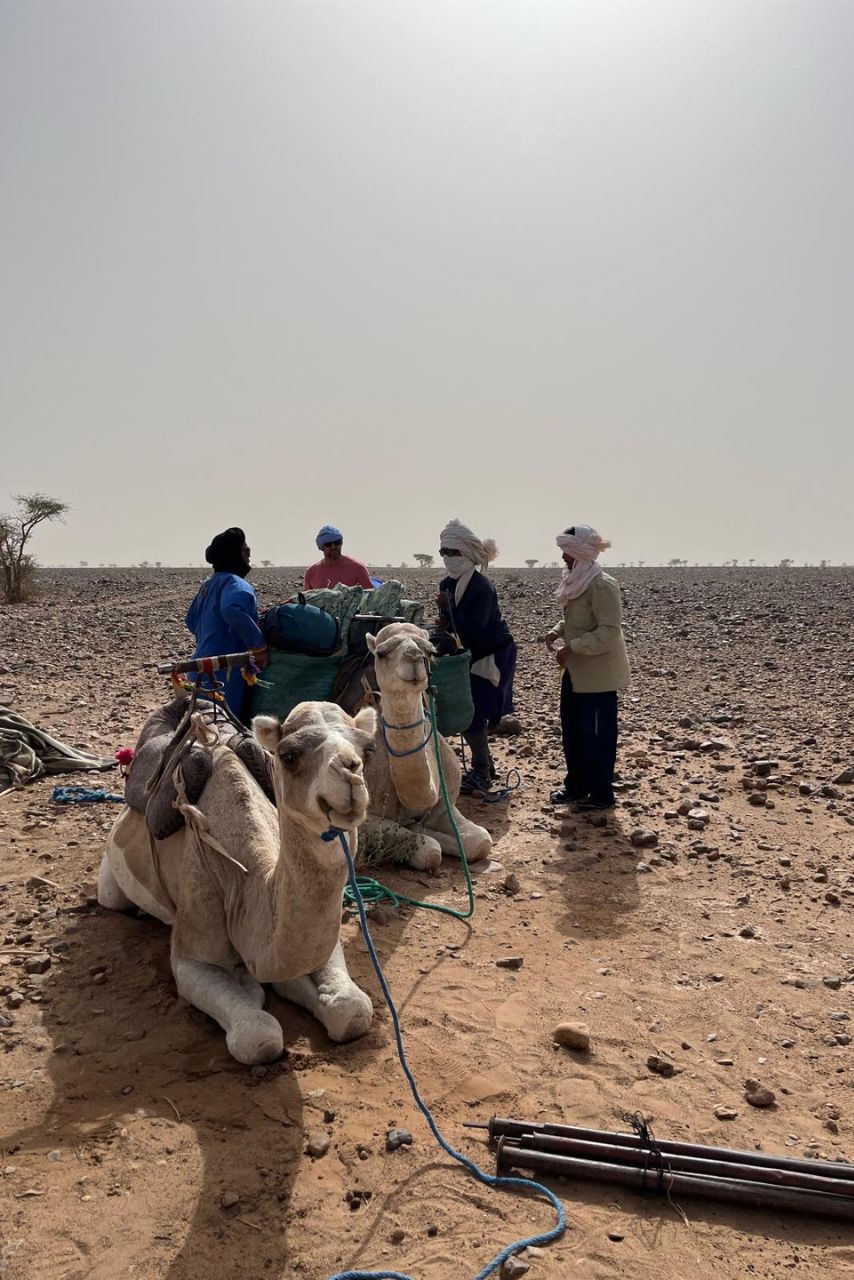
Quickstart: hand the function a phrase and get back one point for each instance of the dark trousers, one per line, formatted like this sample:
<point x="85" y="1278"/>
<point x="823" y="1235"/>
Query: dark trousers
<point x="481" y="757"/>
<point x="588" y="724"/>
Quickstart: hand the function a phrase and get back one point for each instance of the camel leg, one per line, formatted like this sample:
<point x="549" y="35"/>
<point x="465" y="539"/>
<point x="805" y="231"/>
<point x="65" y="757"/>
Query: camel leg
<point x="477" y="841"/>
<point x="331" y="995"/>
<point x="423" y="851"/>
<point x="235" y="1001"/>
<point x="109" y="893"/>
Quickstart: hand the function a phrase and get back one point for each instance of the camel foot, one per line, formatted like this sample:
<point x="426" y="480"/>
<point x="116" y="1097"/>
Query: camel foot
<point x="109" y="893"/>
<point x="344" y="1009"/>
<point x="426" y="856"/>
<point x="256" y="1040"/>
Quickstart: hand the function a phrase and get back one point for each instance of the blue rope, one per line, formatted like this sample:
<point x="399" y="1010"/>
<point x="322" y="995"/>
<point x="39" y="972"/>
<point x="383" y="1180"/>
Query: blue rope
<point x="401" y="755"/>
<point x="84" y="795"/>
<point x="489" y="1180"/>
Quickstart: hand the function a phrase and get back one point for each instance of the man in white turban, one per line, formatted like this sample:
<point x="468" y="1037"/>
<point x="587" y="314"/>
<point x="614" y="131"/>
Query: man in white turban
<point x="595" y="665"/>
<point x="469" y="609"/>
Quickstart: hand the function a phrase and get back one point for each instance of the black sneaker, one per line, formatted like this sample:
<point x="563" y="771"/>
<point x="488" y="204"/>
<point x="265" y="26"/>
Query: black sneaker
<point x="589" y="805"/>
<point x="472" y="783"/>
<point x="562" y="796"/>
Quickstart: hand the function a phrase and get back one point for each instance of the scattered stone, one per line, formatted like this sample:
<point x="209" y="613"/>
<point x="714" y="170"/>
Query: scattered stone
<point x="572" y="1035"/>
<point x="726" y="1113"/>
<point x="514" y="1267"/>
<point x="511" y="883"/>
<point x="833" y="982"/>
<point x="616" y="1236"/>
<point x="397" y="1236"/>
<point x="317" y="1144"/>
<point x="642" y="868"/>
<point x="510" y="962"/>
<point x="661" y="1066"/>
<point x="832" y="898"/>
<point x="397" y="1138"/>
<point x="758" y="1095"/>
<point x="747" y="931"/>
<point x="758" y="798"/>
<point x="642" y="839"/>
<point x="846" y="776"/>
<point x="37" y="964"/>
<point x="229" y="1199"/>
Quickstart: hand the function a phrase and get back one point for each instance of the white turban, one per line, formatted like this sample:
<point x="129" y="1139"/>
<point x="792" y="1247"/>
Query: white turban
<point x="459" y="537"/>
<point x="584" y="546"/>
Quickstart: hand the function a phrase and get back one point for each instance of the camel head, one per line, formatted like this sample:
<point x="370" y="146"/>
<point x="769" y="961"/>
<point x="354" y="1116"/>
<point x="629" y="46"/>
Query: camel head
<point x="318" y="754"/>
<point x="401" y="658"/>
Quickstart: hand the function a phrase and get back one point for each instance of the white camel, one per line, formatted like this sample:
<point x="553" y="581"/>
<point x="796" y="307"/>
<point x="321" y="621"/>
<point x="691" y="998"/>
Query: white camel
<point x="251" y="890"/>
<point x="407" y="808"/>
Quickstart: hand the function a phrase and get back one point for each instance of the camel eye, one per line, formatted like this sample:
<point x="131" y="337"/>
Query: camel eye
<point x="369" y="748"/>
<point x="289" y="758"/>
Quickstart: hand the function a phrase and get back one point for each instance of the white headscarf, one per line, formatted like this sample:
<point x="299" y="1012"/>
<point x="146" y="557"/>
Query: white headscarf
<point x="474" y="554"/>
<point x="584" y="546"/>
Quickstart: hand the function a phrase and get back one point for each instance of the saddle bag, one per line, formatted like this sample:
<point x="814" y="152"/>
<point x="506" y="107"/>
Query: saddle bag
<point x="299" y="627"/>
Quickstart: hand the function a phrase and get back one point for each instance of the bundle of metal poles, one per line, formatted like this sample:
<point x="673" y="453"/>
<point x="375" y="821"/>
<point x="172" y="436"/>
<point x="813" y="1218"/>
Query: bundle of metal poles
<point x="637" y="1160"/>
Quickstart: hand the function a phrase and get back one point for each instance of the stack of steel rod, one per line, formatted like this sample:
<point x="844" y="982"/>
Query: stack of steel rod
<point x="640" y="1161"/>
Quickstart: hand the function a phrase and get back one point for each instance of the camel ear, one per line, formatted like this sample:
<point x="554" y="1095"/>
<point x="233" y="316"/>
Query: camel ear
<point x="371" y="642"/>
<point x="366" y="720"/>
<point x="267" y="731"/>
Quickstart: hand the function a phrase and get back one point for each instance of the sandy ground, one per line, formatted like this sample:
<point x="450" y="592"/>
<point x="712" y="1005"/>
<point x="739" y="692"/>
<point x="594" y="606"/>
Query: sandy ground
<point x="726" y="950"/>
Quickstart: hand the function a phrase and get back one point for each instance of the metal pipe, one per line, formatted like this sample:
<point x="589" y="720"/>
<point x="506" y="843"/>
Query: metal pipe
<point x="500" y="1126"/>
<point x="645" y="1157"/>
<point x="751" y="1194"/>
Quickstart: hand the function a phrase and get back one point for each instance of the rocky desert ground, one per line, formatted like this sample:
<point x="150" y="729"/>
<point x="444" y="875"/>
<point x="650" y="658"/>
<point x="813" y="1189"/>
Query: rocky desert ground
<point x="717" y="941"/>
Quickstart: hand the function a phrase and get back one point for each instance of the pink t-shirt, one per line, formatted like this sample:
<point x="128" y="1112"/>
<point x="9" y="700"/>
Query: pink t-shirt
<point x="328" y="573"/>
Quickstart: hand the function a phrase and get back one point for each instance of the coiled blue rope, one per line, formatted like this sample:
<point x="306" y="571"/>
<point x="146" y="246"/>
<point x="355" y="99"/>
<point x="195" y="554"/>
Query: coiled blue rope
<point x="84" y="795"/>
<point x="488" y="1179"/>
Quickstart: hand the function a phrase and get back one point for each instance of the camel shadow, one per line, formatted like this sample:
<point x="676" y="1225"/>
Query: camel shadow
<point x="141" y="1078"/>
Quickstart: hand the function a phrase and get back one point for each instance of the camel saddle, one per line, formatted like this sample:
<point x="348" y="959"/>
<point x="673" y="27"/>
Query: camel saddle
<point x="156" y="743"/>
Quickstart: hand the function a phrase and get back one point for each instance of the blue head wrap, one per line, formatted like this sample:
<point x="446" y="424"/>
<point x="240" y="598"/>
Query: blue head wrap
<point x="328" y="534"/>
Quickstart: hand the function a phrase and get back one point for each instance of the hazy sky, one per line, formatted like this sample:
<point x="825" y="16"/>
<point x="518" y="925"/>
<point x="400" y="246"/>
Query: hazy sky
<point x="525" y="262"/>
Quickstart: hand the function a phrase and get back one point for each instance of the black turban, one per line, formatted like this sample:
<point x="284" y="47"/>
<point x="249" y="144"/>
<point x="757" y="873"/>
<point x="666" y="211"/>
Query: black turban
<point x="226" y="552"/>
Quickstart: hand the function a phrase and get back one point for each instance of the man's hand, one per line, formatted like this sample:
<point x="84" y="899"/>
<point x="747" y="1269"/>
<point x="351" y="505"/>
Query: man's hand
<point x="549" y="640"/>
<point x="261" y="657"/>
<point x="562" y="656"/>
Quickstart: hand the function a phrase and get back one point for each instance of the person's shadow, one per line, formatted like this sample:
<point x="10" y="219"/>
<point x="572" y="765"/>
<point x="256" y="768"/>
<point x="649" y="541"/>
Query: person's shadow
<point x="600" y="876"/>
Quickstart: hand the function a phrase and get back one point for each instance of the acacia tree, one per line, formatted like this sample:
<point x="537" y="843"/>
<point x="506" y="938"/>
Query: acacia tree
<point x="425" y="561"/>
<point x="16" y="529"/>
<point x="531" y="563"/>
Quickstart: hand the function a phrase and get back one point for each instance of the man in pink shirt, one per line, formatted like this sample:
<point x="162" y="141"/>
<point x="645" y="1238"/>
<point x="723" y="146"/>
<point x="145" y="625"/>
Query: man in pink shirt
<point x="334" y="567"/>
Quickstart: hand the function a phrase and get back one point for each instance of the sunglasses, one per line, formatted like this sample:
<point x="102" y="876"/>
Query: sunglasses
<point x="446" y="551"/>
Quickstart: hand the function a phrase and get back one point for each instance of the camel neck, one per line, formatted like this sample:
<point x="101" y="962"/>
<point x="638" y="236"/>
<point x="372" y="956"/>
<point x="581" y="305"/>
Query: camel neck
<point x="412" y="763"/>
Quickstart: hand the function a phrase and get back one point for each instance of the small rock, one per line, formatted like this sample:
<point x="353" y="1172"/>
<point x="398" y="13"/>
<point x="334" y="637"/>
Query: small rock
<point x="747" y="931"/>
<point x="758" y="1095"/>
<point x="832" y="898"/>
<point x="397" y="1236"/>
<point x="317" y="1144"/>
<point x="511" y="883"/>
<point x="642" y="839"/>
<point x="726" y="1113"/>
<point x="514" y="1267"/>
<point x="37" y="964"/>
<point x="510" y="962"/>
<point x="846" y="776"/>
<point x="229" y="1199"/>
<point x="757" y="798"/>
<point x="616" y="1236"/>
<point x="642" y="868"/>
<point x="833" y="982"/>
<point x="661" y="1066"/>
<point x="572" y="1035"/>
<point x="397" y="1138"/>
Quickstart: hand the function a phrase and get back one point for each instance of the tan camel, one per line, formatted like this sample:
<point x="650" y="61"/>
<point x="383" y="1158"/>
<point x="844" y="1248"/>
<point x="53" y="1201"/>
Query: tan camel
<point x="407" y="810"/>
<point x="252" y="892"/>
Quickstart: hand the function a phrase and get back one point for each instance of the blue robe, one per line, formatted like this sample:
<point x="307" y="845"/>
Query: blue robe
<point x="224" y="619"/>
<point x="480" y="625"/>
